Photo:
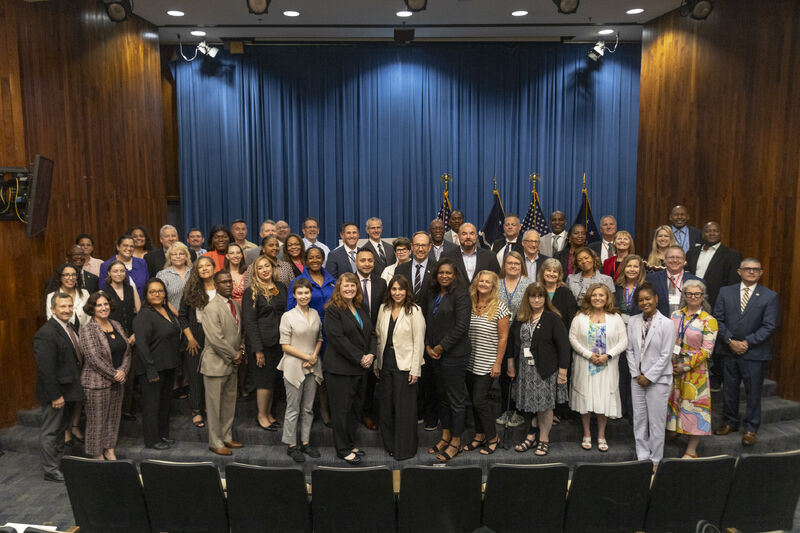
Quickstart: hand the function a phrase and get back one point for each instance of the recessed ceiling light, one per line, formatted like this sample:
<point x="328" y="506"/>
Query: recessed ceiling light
<point x="175" y="13"/>
<point x="635" y="11"/>
<point x="291" y="13"/>
<point x="404" y="13"/>
<point x="605" y="32"/>
<point x="519" y="13"/>
<point x="199" y="33"/>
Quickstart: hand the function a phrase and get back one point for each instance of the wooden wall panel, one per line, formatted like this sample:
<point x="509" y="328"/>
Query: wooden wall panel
<point x="719" y="131"/>
<point x="85" y="92"/>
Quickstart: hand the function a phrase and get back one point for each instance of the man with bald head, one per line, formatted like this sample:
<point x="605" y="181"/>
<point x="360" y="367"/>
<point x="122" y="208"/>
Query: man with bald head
<point x="439" y="244"/>
<point x="687" y="237"/>
<point x="76" y="256"/>
<point x="556" y="240"/>
<point x="533" y="259"/>
<point x="470" y="258"/>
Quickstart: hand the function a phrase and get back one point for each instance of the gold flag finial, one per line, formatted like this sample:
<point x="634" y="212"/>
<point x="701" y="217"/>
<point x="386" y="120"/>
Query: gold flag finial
<point x="584" y="180"/>
<point x="533" y="178"/>
<point x="446" y="178"/>
<point x="495" y="182"/>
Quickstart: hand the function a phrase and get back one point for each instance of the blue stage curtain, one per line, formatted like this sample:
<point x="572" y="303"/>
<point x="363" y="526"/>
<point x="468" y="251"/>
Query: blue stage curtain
<point x="346" y="132"/>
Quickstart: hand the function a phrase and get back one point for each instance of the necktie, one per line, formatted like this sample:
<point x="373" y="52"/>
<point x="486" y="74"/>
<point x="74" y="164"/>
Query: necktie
<point x="508" y="249"/>
<point x="556" y="243"/>
<point x="381" y="254"/>
<point x="417" y="279"/>
<point x="366" y="295"/>
<point x="352" y="260"/>
<point x="609" y="246"/>
<point x="233" y="311"/>
<point x="745" y="298"/>
<point x="74" y="339"/>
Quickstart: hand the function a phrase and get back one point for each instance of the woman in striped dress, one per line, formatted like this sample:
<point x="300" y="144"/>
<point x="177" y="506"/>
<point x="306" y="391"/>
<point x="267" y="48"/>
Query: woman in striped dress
<point x="488" y="335"/>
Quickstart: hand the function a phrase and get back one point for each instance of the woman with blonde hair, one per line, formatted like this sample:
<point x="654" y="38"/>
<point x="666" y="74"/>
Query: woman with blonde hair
<point x="597" y="336"/>
<point x="488" y="336"/>
<point x="175" y="273"/>
<point x="623" y="246"/>
<point x="663" y="238"/>
<point x="263" y="305"/>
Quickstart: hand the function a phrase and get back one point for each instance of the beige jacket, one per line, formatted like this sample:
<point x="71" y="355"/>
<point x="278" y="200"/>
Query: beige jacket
<point x="223" y="337"/>
<point x="408" y="338"/>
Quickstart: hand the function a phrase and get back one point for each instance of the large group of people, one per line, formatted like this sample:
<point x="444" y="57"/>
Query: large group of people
<point x="434" y="322"/>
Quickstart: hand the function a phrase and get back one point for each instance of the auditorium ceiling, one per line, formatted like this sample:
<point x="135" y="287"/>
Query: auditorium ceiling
<point x="442" y="20"/>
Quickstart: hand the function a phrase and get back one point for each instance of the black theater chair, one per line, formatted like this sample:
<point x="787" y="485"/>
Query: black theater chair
<point x="440" y="499"/>
<point x="352" y="499"/>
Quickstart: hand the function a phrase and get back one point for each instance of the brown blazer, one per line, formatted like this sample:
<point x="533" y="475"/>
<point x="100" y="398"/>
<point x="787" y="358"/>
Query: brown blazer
<point x="98" y="371"/>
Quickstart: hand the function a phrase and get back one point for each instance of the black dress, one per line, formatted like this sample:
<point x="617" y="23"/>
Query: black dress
<point x="262" y="321"/>
<point x="124" y="310"/>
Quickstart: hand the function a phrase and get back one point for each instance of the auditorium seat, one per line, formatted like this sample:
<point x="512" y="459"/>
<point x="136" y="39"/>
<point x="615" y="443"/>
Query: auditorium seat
<point x="352" y="499"/>
<point x="440" y="499"/>
<point x="608" y="497"/>
<point x="105" y="496"/>
<point x="764" y="492"/>
<point x="526" y="498"/>
<point x="684" y="492"/>
<point x="184" y="497"/>
<point x="262" y="498"/>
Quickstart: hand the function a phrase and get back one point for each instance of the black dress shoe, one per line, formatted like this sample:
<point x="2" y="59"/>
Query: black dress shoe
<point x="310" y="451"/>
<point x="129" y="417"/>
<point x="168" y="441"/>
<point x="360" y="453"/>
<point x="356" y="460"/>
<point x="55" y="477"/>
<point x="160" y="446"/>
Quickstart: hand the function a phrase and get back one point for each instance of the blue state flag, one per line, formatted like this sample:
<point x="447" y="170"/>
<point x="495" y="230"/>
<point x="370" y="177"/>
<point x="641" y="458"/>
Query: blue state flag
<point x="586" y="219"/>
<point x="493" y="227"/>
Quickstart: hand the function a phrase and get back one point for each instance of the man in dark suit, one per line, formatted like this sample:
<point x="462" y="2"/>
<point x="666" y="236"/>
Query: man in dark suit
<point x="469" y="258"/>
<point x="373" y="288"/>
<point x="687" y="237"/>
<point x="748" y="315"/>
<point x="157" y="257"/>
<point x="343" y="258"/>
<point x="533" y="259"/>
<point x="717" y="264"/>
<point x="382" y="250"/>
<point x="418" y="270"/>
<point x="438" y="243"/>
<point x="510" y="241"/>
<point x="604" y="248"/>
<point x="668" y="283"/>
<point x="58" y="383"/>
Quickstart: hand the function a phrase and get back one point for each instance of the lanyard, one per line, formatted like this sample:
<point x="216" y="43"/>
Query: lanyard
<point x="436" y="302"/>
<point x="509" y="298"/>
<point x="685" y="325"/>
<point x="629" y="297"/>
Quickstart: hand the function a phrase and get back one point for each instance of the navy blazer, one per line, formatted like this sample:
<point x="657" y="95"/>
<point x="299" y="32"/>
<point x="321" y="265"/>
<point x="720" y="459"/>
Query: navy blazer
<point x="449" y="325"/>
<point x="500" y="243"/>
<point x="388" y="250"/>
<point x="721" y="271"/>
<point x="338" y="262"/>
<point x="660" y="282"/>
<point x="485" y="260"/>
<point x="755" y="325"/>
<point x="58" y="370"/>
<point x="347" y="342"/>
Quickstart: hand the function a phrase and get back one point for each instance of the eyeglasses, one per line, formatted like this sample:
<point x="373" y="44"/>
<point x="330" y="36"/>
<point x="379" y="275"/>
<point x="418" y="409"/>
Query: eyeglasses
<point x="693" y="294"/>
<point x="70" y="275"/>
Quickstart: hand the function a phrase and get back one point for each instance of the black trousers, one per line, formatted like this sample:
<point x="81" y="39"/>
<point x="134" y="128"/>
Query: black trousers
<point x="197" y="391"/>
<point x="505" y="388"/>
<point x="452" y="393"/>
<point x="51" y="435"/>
<point x="625" y="387"/>
<point x="478" y="387"/>
<point x="156" y="403"/>
<point x="428" y="397"/>
<point x="398" y="414"/>
<point x="369" y="396"/>
<point x="346" y="397"/>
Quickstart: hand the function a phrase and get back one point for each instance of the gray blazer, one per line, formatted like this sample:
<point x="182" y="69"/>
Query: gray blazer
<point x="223" y="337"/>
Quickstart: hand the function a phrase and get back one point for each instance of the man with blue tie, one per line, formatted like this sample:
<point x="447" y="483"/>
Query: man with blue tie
<point x="343" y="258"/>
<point x="748" y="315"/>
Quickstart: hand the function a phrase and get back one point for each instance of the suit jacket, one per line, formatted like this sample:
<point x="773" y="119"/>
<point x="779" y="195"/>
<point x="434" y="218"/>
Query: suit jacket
<point x="655" y="363"/>
<point x="378" y="291"/>
<point x="721" y="270"/>
<point x="597" y="247"/>
<point x="408" y="338"/>
<point x="449" y="325"/>
<point x="223" y="337"/>
<point x="550" y="346"/>
<point x="448" y="236"/>
<point x="500" y="243"/>
<point x="409" y="271"/>
<point x="251" y="255"/>
<point x="619" y="297"/>
<point x="661" y="283"/>
<point x="447" y="246"/>
<point x="338" y="262"/>
<point x="380" y="264"/>
<point x="58" y="370"/>
<point x="347" y="342"/>
<point x="755" y="325"/>
<point x="546" y="244"/>
<point x="485" y="261"/>
<point x="156" y="258"/>
<point x="262" y="319"/>
<point x="98" y="369"/>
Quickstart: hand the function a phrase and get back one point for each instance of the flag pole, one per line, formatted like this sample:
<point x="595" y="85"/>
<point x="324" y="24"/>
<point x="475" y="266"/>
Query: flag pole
<point x="497" y="193"/>
<point x="446" y="178"/>
<point x="585" y="193"/>
<point x="533" y="178"/>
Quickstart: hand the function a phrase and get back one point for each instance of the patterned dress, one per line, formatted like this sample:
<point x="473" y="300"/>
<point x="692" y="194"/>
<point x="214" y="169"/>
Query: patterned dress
<point x="689" y="409"/>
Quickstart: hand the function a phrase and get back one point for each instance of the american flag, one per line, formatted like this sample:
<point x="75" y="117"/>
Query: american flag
<point x="534" y="218"/>
<point x="444" y="210"/>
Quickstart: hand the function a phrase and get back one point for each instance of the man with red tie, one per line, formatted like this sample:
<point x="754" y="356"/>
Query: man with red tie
<point x="221" y="355"/>
<point x="669" y="283"/>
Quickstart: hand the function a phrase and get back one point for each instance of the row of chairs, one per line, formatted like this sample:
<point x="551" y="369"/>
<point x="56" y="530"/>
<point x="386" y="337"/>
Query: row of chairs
<point x="757" y="493"/>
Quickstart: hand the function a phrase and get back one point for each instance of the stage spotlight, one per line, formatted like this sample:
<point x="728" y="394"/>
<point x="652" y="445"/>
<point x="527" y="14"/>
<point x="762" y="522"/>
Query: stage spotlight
<point x="697" y="9"/>
<point x="416" y="5"/>
<point x="258" y="7"/>
<point x="598" y="51"/>
<point x="567" y="6"/>
<point x="118" y="10"/>
<point x="210" y="51"/>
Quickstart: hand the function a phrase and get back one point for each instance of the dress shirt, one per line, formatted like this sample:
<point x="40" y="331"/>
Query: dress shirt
<point x="351" y="255"/>
<point x="318" y="244"/>
<point x="379" y="247"/>
<point x="92" y="266"/>
<point x="530" y="266"/>
<point x="199" y="251"/>
<point x="674" y="287"/>
<point x="559" y="241"/>
<point x="422" y="271"/>
<point x="501" y="253"/>
<point x="681" y="237"/>
<point x="470" y="263"/>
<point x="605" y="247"/>
<point x="706" y="254"/>
<point x="437" y="250"/>
<point x="368" y="291"/>
<point x="751" y="291"/>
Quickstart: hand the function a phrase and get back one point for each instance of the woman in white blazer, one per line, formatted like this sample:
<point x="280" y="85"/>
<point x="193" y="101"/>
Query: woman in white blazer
<point x="651" y="340"/>
<point x="401" y="343"/>
<point x="597" y="336"/>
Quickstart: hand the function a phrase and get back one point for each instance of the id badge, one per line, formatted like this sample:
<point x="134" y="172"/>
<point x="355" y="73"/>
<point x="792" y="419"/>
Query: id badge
<point x="676" y="350"/>
<point x="526" y="352"/>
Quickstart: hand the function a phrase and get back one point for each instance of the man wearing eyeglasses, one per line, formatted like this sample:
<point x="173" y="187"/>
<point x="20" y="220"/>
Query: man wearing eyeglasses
<point x="748" y="315"/>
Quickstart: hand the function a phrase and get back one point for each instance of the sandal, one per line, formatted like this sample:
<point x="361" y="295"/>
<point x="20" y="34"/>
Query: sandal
<point x="542" y="449"/>
<point x="474" y="445"/>
<point x="556" y="420"/>
<point x="688" y="455"/>
<point x="75" y="435"/>
<point x="197" y="419"/>
<point x="527" y="444"/>
<point x="586" y="443"/>
<point x="490" y="447"/>
<point x="437" y="448"/>
<point x="443" y="456"/>
<point x="602" y="445"/>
